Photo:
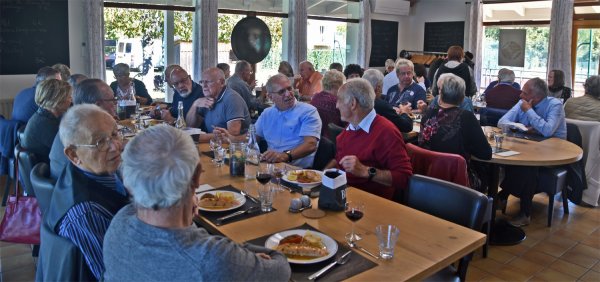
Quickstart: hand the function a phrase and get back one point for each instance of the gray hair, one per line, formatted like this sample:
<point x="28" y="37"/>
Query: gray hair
<point x="404" y="62"/>
<point x="275" y="80"/>
<point x="74" y="125"/>
<point x="65" y="72"/>
<point x="309" y="64"/>
<point x="120" y="69"/>
<point x="158" y="185"/>
<point x="76" y="78"/>
<point x="539" y="87"/>
<point x="241" y="66"/>
<point x="374" y="77"/>
<point x="592" y="86"/>
<point x="333" y="79"/>
<point x="359" y="89"/>
<point x="389" y="63"/>
<point x="45" y="73"/>
<point x="506" y="75"/>
<point x="88" y="91"/>
<point x="452" y="88"/>
<point x="50" y="93"/>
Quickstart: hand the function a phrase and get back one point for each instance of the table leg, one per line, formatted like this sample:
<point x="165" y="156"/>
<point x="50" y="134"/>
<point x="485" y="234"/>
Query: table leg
<point x="502" y="233"/>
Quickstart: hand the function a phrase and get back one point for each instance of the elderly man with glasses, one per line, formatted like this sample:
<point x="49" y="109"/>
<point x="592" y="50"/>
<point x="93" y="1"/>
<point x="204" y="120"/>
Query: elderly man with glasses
<point x="292" y="129"/>
<point x="153" y="239"/>
<point x="89" y="192"/>
<point x="222" y="107"/>
<point x="124" y="82"/>
<point x="186" y="91"/>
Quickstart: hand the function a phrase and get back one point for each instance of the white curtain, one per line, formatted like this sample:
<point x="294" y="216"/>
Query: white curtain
<point x="205" y="32"/>
<point x="475" y="35"/>
<point x="559" y="47"/>
<point x="364" y="34"/>
<point x="296" y="51"/>
<point x="94" y="13"/>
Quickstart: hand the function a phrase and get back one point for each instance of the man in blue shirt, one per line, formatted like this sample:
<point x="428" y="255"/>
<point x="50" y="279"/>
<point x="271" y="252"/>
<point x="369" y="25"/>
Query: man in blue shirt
<point x="24" y="105"/>
<point x="406" y="91"/>
<point x="542" y="115"/>
<point x="292" y="129"/>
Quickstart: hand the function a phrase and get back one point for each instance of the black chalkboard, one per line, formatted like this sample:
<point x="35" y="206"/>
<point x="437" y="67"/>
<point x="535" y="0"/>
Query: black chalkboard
<point x="33" y="34"/>
<point x="384" y="42"/>
<point x="439" y="36"/>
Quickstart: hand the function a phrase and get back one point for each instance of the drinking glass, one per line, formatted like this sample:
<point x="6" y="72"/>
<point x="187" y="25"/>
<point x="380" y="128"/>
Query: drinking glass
<point x="354" y="212"/>
<point x="265" y="192"/>
<point x="387" y="235"/>
<point x="277" y="172"/>
<point x="214" y="144"/>
<point x="220" y="156"/>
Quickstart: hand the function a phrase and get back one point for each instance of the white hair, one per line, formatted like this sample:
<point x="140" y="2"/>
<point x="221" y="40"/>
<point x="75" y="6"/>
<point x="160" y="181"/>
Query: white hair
<point x="359" y="89"/>
<point x="158" y="166"/>
<point x="373" y="76"/>
<point x="75" y="124"/>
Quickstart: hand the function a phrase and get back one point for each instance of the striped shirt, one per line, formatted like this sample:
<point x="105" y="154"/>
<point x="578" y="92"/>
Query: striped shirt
<point x="86" y="223"/>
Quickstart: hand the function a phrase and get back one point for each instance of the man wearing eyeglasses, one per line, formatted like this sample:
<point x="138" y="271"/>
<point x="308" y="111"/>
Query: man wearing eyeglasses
<point x="222" y="107"/>
<point x="88" y="193"/>
<point x="186" y="90"/>
<point x="89" y="91"/>
<point x="292" y="129"/>
<point x="239" y="83"/>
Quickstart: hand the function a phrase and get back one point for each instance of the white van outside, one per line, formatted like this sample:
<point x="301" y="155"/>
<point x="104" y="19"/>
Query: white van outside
<point x="130" y="52"/>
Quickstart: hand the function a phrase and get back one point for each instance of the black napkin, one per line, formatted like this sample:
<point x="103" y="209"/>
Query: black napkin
<point x="300" y="272"/>
<point x="212" y="215"/>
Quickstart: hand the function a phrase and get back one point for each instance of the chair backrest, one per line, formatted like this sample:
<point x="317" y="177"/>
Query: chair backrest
<point x="325" y="153"/>
<point x="60" y="259"/>
<point x="8" y="140"/>
<point x="490" y="116"/>
<point x="42" y="185"/>
<point x="26" y="161"/>
<point x="445" y="166"/>
<point x="590" y="137"/>
<point x="447" y="200"/>
<point x="334" y="131"/>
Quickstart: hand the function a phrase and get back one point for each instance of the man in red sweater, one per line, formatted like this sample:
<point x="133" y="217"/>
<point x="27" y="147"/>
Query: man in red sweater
<point x="371" y="149"/>
<point x="504" y="95"/>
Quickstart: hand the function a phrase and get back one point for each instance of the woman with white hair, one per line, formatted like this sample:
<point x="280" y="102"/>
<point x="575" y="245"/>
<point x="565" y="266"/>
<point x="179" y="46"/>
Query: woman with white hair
<point x="53" y="97"/>
<point x="325" y="101"/>
<point x="154" y="239"/>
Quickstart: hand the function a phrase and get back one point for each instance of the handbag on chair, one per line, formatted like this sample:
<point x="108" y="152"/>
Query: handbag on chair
<point x="22" y="218"/>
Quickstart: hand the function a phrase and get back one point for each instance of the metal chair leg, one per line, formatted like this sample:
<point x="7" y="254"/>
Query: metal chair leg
<point x="6" y="191"/>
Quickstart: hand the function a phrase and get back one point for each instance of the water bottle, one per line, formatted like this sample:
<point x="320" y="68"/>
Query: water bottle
<point x="252" y="153"/>
<point x="180" y="122"/>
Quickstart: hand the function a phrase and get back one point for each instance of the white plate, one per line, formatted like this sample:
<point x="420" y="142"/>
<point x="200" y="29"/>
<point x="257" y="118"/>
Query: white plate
<point x="239" y="197"/>
<point x="304" y="185"/>
<point x="329" y="243"/>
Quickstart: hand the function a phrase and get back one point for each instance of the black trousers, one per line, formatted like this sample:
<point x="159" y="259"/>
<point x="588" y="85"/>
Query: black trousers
<point x="521" y="182"/>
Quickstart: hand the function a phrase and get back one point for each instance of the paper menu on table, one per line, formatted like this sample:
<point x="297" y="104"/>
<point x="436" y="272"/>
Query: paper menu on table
<point x="507" y="153"/>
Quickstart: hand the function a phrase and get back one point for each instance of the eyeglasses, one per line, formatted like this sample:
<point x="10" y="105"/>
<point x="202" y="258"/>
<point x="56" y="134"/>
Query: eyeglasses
<point x="203" y="82"/>
<point x="113" y="100"/>
<point x="103" y="144"/>
<point x="184" y="80"/>
<point x="400" y="73"/>
<point x="284" y="90"/>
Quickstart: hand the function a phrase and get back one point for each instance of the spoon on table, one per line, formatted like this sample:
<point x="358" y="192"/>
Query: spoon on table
<point x="353" y="245"/>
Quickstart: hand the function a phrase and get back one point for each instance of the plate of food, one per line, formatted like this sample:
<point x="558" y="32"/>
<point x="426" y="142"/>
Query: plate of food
<point x="303" y="246"/>
<point x="220" y="200"/>
<point x="306" y="178"/>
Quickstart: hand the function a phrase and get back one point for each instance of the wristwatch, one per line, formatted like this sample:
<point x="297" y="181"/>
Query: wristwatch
<point x="289" y="154"/>
<point x="372" y="173"/>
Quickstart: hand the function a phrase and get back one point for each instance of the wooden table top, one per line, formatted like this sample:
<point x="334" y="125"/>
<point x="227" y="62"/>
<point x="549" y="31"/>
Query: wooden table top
<point x="426" y="243"/>
<point x="549" y="152"/>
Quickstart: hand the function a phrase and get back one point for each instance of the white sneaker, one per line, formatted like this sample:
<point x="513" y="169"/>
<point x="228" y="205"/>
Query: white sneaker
<point x="520" y="220"/>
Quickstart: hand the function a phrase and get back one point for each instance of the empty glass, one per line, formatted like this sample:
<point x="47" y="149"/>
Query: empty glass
<point x="387" y="235"/>
<point x="220" y="154"/>
<point x="277" y="171"/>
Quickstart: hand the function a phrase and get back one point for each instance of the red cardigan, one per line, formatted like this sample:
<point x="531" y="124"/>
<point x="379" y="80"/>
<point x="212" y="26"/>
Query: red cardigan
<point x="382" y="148"/>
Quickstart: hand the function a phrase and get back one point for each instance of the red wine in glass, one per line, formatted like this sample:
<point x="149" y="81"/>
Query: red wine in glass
<point x="354" y="215"/>
<point x="263" y="178"/>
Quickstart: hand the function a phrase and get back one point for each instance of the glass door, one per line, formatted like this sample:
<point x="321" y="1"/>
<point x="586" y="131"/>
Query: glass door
<point x="587" y="54"/>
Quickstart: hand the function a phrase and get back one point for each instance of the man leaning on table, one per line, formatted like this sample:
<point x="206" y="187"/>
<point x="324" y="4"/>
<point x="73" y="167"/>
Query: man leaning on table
<point x="292" y="129"/>
<point x="222" y="107"/>
<point x="154" y="239"/>
<point x="371" y="149"/>
<point x="542" y="115"/>
<point x="186" y="91"/>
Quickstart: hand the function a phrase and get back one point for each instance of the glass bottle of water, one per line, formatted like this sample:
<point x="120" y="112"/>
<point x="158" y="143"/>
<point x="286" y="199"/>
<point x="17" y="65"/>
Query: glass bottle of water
<point x="252" y="153"/>
<point x="180" y="122"/>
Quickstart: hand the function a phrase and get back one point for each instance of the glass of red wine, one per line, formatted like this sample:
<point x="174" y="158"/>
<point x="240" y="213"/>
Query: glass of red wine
<point x="265" y="194"/>
<point x="263" y="175"/>
<point x="354" y="212"/>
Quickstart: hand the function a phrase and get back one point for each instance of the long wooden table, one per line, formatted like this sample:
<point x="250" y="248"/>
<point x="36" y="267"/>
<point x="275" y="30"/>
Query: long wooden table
<point x="549" y="152"/>
<point x="426" y="243"/>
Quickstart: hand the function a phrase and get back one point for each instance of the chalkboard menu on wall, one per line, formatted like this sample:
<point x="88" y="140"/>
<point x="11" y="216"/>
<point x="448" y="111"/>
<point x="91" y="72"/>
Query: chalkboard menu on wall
<point x="384" y="42"/>
<point x="439" y="36"/>
<point x="33" y="34"/>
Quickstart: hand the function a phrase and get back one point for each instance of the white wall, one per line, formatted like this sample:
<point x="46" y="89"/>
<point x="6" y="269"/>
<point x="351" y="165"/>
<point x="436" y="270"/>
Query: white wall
<point x="10" y="85"/>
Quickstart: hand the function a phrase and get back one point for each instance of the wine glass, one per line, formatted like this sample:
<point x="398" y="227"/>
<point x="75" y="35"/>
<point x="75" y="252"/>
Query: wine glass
<point x="214" y="144"/>
<point x="277" y="172"/>
<point x="354" y="212"/>
<point x="263" y="174"/>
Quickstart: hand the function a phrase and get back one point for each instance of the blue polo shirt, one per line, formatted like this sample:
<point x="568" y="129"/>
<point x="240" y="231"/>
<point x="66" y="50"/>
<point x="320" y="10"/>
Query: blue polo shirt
<point x="411" y="94"/>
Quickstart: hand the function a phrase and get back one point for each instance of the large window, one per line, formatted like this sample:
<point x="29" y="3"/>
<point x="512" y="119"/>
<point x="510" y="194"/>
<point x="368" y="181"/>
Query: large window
<point x="536" y="55"/>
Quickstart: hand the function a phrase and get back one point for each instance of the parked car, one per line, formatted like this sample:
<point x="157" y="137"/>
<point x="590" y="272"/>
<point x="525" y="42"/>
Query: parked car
<point x="109" y="60"/>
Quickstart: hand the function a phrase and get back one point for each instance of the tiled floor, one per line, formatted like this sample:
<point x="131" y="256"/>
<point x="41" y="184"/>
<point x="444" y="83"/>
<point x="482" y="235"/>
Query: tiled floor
<point x="567" y="251"/>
